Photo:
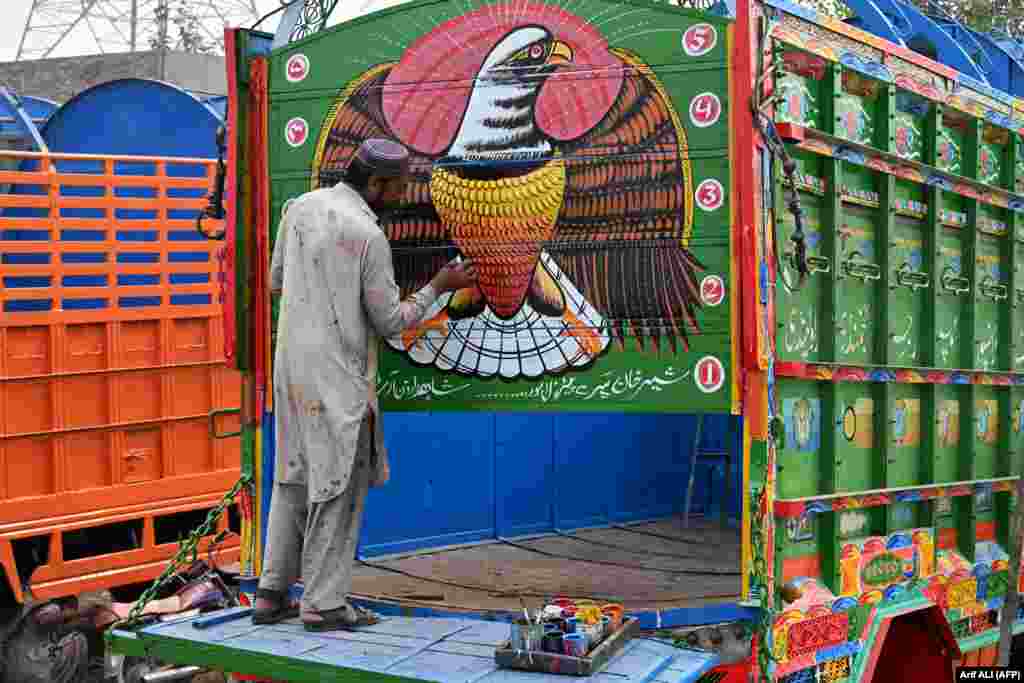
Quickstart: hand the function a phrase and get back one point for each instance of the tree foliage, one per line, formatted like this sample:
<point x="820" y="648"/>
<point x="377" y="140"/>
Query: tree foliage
<point x="179" y="28"/>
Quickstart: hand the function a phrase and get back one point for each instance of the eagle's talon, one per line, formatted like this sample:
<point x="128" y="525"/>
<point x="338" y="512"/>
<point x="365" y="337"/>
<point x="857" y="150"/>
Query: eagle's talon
<point x="466" y="303"/>
<point x="544" y="295"/>
<point x="412" y="337"/>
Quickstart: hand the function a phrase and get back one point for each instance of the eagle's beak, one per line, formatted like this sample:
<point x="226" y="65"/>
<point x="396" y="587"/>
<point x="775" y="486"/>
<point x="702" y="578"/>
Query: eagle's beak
<point x="561" y="53"/>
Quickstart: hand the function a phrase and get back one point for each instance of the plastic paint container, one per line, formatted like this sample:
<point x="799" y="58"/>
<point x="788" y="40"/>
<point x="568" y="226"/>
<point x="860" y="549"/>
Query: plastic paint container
<point x="575" y="644"/>
<point x="613" y="612"/>
<point x="553" y="642"/>
<point x="526" y="636"/>
<point x="572" y="625"/>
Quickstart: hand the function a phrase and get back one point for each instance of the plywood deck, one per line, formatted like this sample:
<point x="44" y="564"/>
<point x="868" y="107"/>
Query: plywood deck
<point x="450" y="650"/>
<point x="651" y="566"/>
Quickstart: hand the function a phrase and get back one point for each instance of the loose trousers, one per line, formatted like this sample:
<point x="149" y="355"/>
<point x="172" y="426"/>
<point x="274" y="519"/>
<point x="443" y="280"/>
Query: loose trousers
<point x="320" y="539"/>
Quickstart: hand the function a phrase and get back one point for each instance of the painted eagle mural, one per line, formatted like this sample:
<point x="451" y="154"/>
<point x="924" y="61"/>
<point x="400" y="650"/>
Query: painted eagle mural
<point x="557" y="163"/>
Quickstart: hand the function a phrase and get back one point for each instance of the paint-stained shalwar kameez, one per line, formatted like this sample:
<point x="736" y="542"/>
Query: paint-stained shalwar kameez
<point x="333" y="263"/>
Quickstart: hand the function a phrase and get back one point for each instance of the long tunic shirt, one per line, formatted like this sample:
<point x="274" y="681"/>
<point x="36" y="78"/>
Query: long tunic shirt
<point x="332" y="263"/>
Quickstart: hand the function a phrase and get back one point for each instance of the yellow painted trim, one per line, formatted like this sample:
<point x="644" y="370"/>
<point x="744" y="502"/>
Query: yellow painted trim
<point x="734" y="266"/>
<point x="257" y="503"/>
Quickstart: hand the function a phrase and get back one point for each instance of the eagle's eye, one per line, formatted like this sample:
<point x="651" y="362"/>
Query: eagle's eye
<point x="531" y="54"/>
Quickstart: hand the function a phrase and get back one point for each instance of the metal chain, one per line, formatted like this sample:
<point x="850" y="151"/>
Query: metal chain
<point x="188" y="549"/>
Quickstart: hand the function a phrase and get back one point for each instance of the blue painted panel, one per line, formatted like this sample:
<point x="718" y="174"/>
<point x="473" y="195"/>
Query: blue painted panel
<point x="890" y="25"/>
<point x="352" y="654"/>
<point x="653" y="468"/>
<point x="440" y="666"/>
<point x="427" y="629"/>
<point x="134" y="116"/>
<point x="441" y="488"/>
<point x="458" y="478"/>
<point x="924" y="31"/>
<point x="1007" y="72"/>
<point x="590" y="452"/>
<point x="524" y="473"/>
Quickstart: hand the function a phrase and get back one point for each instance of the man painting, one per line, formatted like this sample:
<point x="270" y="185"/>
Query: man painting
<point x="332" y="264"/>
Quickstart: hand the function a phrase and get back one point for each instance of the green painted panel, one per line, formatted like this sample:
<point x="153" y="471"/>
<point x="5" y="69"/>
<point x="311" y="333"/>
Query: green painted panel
<point x="1017" y="321"/>
<point x="856" y="445"/>
<point x="986" y="428"/>
<point x="801" y="91"/>
<point x="952" y="299"/>
<point x="911" y="125"/>
<point x="909" y="283"/>
<point x="802" y="307"/>
<point x="1019" y="164"/>
<point x="802" y="537"/>
<point x="991" y="295"/>
<point x="603" y="287"/>
<point x="802" y="407"/>
<point x="993" y="156"/>
<point x="949" y="149"/>
<point x="859" y="273"/>
<point x="1016" y="427"/>
<point x="947" y="425"/>
<point x="904" y="462"/>
<point x="858" y="109"/>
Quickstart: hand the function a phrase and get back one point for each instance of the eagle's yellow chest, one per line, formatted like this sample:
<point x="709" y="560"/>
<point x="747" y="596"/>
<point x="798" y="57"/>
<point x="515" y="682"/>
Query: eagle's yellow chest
<point x="502" y="225"/>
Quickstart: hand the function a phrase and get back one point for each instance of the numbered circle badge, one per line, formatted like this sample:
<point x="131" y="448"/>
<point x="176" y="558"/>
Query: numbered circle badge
<point x="297" y="68"/>
<point x="705" y="109"/>
<point x="709" y="374"/>
<point x="699" y="40"/>
<point x="296" y="132"/>
<point x="712" y="290"/>
<point x="710" y="195"/>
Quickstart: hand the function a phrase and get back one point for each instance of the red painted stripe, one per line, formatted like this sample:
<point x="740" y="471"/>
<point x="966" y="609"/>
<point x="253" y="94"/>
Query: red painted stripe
<point x="230" y="192"/>
<point x="808" y="565"/>
<point x="744" y="160"/>
<point x="985" y="531"/>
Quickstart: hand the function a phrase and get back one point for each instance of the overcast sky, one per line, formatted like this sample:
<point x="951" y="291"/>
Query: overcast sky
<point x="15" y="12"/>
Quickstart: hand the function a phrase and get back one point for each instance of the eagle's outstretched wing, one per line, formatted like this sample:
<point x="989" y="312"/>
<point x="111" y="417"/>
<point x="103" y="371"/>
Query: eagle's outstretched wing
<point x="419" y="243"/>
<point x="626" y="220"/>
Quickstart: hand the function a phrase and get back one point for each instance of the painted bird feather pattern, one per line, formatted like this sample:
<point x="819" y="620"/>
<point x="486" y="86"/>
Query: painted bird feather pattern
<point x="579" y="241"/>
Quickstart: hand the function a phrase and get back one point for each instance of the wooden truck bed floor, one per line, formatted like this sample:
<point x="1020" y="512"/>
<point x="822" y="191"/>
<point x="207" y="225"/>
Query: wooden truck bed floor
<point x="650" y="566"/>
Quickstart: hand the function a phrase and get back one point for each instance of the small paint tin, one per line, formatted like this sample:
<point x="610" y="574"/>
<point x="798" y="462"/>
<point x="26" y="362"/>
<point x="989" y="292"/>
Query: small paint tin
<point x="592" y="632"/>
<point x="551" y="612"/>
<point x="563" y="602"/>
<point x="575" y="645"/>
<point x="560" y="624"/>
<point x="553" y="642"/>
<point x="572" y="625"/>
<point x="613" y="612"/>
<point x="526" y="636"/>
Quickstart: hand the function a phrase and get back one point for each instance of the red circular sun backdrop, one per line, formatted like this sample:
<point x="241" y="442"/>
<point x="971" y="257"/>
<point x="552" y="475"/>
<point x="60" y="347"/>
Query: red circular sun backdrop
<point x="426" y="93"/>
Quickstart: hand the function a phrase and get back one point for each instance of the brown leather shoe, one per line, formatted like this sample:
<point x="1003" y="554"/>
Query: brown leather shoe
<point x="278" y="610"/>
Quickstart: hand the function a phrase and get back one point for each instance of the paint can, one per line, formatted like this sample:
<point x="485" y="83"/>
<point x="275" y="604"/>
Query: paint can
<point x="563" y="602"/>
<point x="592" y="632"/>
<point x="526" y="635"/>
<point x="614" y="613"/>
<point x="572" y="625"/>
<point x="575" y="644"/>
<point x="553" y="642"/>
<point x="560" y="624"/>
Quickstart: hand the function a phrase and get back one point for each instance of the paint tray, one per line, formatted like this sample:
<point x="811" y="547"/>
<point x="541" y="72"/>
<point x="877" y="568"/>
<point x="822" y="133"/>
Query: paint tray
<point x="547" y="662"/>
